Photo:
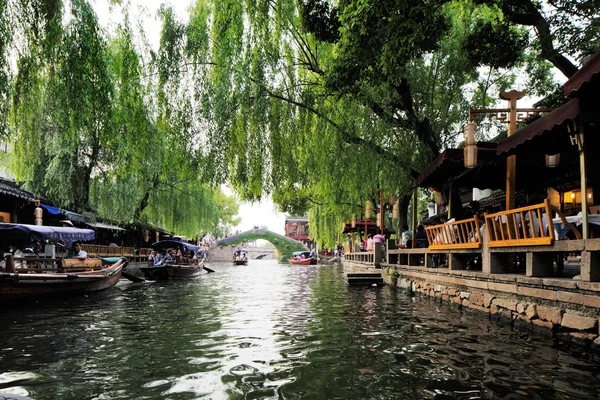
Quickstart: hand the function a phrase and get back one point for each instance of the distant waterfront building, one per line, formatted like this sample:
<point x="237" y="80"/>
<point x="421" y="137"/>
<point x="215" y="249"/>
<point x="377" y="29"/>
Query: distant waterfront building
<point x="297" y="228"/>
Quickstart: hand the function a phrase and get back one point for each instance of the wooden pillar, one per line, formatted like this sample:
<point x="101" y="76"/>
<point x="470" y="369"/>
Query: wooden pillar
<point x="381" y="208"/>
<point x="9" y="264"/>
<point x="414" y="218"/>
<point x="584" y="202"/>
<point x="511" y="161"/>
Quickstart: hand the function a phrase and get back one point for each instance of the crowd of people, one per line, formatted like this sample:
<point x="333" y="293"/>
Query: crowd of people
<point x="173" y="256"/>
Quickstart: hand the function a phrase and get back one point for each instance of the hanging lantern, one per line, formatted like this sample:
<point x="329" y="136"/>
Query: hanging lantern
<point x="470" y="145"/>
<point x="38" y="212"/>
<point x="353" y="221"/>
<point x="396" y="210"/>
<point x="368" y="210"/>
<point x="552" y="160"/>
<point x="378" y="220"/>
<point x="439" y="200"/>
<point x="431" y="209"/>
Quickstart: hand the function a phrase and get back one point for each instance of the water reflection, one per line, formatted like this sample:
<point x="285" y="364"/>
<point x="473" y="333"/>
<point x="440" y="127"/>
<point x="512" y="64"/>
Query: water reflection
<point x="270" y="331"/>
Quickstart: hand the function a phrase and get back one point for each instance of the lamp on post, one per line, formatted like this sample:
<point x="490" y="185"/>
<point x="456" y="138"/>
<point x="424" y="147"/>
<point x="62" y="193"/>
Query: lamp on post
<point x="553" y="160"/>
<point x="511" y="116"/>
<point x="470" y="145"/>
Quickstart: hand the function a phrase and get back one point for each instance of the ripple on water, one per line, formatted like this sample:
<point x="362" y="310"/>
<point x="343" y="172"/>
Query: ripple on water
<point x="270" y="331"/>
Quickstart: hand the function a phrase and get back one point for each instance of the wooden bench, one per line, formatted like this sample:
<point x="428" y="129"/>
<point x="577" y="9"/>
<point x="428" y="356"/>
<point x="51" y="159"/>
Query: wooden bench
<point x="75" y="265"/>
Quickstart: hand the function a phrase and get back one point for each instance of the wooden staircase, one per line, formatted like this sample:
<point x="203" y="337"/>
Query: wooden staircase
<point x="363" y="278"/>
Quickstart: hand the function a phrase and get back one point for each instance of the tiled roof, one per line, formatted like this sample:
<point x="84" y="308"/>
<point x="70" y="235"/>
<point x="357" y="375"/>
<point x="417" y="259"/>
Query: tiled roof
<point x="12" y="188"/>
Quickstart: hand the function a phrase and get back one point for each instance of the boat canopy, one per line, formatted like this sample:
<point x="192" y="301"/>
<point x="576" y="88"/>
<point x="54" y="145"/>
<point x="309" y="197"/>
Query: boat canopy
<point x="42" y="233"/>
<point x="169" y="244"/>
<point x="305" y="252"/>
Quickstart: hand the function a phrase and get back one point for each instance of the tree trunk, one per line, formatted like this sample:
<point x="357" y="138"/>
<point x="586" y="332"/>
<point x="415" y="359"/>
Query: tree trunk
<point x="404" y="202"/>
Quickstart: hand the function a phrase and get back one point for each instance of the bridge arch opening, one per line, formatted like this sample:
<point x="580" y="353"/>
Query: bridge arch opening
<point x="284" y="246"/>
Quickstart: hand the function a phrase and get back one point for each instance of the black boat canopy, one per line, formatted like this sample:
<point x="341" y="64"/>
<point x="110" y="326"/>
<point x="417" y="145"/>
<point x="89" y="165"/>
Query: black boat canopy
<point x="44" y="233"/>
<point x="169" y="244"/>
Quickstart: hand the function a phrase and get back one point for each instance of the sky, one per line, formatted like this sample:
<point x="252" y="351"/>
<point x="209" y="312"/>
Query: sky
<point x="261" y="213"/>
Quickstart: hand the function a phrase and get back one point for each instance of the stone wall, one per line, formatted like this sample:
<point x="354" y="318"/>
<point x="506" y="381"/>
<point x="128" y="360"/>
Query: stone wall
<point x="563" y="307"/>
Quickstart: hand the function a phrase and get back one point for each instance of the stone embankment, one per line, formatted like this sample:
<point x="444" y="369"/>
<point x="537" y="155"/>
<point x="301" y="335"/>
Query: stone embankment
<point x="567" y="308"/>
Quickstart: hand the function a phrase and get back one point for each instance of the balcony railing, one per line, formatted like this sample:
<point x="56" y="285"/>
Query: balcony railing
<point x="463" y="234"/>
<point x="525" y="226"/>
<point x="113" y="251"/>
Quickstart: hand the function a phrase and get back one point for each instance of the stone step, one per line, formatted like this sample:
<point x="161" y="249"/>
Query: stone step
<point x="363" y="278"/>
<point x="363" y="274"/>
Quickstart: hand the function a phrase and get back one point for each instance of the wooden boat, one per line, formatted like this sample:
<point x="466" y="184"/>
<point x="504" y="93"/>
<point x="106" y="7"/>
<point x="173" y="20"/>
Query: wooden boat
<point x="33" y="277"/>
<point x="182" y="266"/>
<point x="240" y="257"/>
<point x="302" y="258"/>
<point x="185" y="271"/>
<point x="305" y="261"/>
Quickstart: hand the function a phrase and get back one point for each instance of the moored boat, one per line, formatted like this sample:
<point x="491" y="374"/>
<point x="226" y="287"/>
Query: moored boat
<point x="302" y="258"/>
<point x="305" y="261"/>
<point x="33" y="276"/>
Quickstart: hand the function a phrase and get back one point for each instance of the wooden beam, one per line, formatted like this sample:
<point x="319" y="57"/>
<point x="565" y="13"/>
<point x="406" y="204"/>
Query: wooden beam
<point x="511" y="161"/>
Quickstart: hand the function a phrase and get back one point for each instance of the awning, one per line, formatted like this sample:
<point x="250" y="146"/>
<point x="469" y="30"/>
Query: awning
<point x="450" y="163"/>
<point x="169" y="244"/>
<point x="582" y="80"/>
<point x="73" y="216"/>
<point x="48" y="233"/>
<point x="50" y="209"/>
<point x="100" y="225"/>
<point x="547" y="135"/>
<point x="371" y="228"/>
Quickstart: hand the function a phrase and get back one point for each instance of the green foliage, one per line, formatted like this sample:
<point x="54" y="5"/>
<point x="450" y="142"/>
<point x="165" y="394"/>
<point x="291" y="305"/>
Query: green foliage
<point x="319" y="104"/>
<point x="93" y="131"/>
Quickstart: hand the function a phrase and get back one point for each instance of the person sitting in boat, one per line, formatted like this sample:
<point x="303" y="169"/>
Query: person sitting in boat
<point x="157" y="259"/>
<point x="169" y="257"/>
<point x="78" y="253"/>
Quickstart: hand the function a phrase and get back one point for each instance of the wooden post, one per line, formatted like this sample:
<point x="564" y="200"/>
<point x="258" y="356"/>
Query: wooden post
<point x="10" y="264"/>
<point x="366" y="235"/>
<point x="511" y="161"/>
<point x="381" y="208"/>
<point x="414" y="218"/>
<point x="584" y="201"/>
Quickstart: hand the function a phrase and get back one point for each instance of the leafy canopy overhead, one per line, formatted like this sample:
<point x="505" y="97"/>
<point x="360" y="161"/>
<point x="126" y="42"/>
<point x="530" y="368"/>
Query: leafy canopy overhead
<point x="318" y="103"/>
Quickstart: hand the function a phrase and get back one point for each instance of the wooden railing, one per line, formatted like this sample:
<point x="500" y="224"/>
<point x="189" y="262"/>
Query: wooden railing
<point x="525" y="226"/>
<point x="96" y="250"/>
<point x="463" y="234"/>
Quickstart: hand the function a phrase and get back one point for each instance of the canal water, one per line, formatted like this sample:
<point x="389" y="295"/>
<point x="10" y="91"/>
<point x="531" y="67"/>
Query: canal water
<point x="267" y="331"/>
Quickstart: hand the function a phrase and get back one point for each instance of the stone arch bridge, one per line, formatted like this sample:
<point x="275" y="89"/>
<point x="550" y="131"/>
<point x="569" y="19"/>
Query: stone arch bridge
<point x="283" y="246"/>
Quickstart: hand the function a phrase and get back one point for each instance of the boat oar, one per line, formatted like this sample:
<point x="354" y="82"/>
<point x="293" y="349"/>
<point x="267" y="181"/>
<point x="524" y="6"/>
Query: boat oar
<point x="131" y="277"/>
<point x="208" y="269"/>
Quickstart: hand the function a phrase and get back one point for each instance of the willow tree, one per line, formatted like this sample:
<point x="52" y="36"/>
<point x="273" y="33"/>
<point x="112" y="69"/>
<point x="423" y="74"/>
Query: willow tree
<point x="155" y="174"/>
<point x="62" y="106"/>
<point x="99" y="123"/>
